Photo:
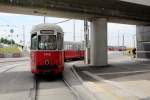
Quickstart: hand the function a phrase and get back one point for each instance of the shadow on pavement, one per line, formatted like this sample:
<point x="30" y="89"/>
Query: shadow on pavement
<point x="48" y="77"/>
<point x="116" y="71"/>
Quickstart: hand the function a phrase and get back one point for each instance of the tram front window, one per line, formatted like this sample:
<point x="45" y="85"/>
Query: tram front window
<point x="47" y="42"/>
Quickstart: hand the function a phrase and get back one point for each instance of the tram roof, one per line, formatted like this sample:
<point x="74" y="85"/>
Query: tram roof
<point x="46" y="26"/>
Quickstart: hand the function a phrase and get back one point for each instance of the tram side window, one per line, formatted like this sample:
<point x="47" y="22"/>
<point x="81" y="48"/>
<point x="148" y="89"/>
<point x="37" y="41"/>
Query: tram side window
<point x="34" y="41"/>
<point x="59" y="41"/>
<point x="75" y="47"/>
<point x="79" y="47"/>
<point x="82" y="46"/>
<point x="70" y="47"/>
<point x="66" y="46"/>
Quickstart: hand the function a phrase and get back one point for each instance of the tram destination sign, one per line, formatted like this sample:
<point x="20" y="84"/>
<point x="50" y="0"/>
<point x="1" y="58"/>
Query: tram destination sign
<point x="47" y="31"/>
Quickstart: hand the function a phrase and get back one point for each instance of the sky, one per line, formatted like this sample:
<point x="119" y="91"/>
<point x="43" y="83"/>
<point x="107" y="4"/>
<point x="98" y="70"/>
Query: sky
<point x="17" y="21"/>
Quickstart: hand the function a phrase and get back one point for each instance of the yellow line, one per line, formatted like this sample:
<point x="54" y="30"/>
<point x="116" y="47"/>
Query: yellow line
<point x="106" y="92"/>
<point x="111" y="91"/>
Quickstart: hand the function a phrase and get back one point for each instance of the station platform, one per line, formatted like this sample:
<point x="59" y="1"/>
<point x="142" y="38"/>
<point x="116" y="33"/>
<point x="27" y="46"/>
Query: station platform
<point x="123" y="78"/>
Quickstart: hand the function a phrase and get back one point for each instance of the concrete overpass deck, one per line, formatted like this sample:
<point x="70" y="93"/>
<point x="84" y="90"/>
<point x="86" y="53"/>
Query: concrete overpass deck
<point x="80" y="9"/>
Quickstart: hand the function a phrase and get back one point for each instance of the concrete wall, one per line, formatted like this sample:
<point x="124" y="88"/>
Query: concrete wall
<point x="143" y="41"/>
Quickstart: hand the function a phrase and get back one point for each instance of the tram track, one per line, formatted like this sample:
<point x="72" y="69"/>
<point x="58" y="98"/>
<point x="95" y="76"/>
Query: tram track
<point x="9" y="65"/>
<point x="6" y="68"/>
<point x="71" y="89"/>
<point x="12" y="61"/>
<point x="36" y="88"/>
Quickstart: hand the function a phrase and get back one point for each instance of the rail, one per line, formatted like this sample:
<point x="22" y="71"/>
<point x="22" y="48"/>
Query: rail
<point x="73" y="90"/>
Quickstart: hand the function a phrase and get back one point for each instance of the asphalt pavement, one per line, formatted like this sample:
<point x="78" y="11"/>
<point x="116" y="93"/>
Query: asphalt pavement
<point x="5" y="60"/>
<point x="16" y="82"/>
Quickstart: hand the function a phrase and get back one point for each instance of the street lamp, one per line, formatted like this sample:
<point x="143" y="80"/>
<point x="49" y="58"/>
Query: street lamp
<point x="134" y="40"/>
<point x="81" y="34"/>
<point x="11" y="31"/>
<point x="74" y="30"/>
<point x="44" y="19"/>
<point x="118" y="38"/>
<point x="123" y="40"/>
<point x="23" y="29"/>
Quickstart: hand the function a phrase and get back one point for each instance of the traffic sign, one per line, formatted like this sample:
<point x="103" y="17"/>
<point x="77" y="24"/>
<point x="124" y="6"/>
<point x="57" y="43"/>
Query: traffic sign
<point x="11" y="31"/>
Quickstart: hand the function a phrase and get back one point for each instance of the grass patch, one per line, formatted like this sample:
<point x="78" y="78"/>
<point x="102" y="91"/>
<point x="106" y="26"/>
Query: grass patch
<point x="9" y="50"/>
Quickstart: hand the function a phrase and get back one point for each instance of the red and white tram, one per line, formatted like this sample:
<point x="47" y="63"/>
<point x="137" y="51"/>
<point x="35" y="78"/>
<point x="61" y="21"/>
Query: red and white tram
<point x="47" y="54"/>
<point x="47" y="49"/>
<point x="73" y="50"/>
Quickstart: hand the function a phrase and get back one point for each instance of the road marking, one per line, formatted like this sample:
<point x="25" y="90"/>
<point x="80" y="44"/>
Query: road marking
<point x="102" y="92"/>
<point x="127" y="72"/>
<point x="144" y="64"/>
<point x="9" y="63"/>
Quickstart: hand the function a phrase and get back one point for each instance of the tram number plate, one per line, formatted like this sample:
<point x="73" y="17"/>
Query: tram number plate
<point x="47" y="54"/>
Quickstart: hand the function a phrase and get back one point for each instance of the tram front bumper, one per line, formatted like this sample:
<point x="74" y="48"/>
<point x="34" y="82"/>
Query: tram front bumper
<point x="54" y="69"/>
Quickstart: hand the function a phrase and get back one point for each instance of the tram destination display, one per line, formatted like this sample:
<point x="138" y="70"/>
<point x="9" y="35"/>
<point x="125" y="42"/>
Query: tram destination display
<point x="47" y="31"/>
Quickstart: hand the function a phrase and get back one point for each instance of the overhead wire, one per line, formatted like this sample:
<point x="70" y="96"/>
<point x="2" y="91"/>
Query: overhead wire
<point x="62" y="21"/>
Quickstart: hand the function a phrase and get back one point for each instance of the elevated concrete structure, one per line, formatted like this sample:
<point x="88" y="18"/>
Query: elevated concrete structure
<point x="98" y="47"/>
<point x="143" y="42"/>
<point x="113" y="10"/>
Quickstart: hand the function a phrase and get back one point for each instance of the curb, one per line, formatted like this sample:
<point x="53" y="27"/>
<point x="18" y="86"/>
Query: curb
<point x="94" y="97"/>
<point x="77" y="85"/>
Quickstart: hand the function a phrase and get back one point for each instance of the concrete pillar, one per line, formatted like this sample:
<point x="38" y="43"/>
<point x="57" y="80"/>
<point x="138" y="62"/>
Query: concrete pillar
<point x="143" y="41"/>
<point x="98" y="42"/>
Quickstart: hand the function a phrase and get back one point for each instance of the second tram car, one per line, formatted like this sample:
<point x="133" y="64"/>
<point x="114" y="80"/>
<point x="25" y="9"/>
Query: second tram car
<point x="47" y="49"/>
<point x="73" y="50"/>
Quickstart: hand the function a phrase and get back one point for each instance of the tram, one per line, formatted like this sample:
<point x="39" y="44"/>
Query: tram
<point x="46" y="51"/>
<point x="73" y="50"/>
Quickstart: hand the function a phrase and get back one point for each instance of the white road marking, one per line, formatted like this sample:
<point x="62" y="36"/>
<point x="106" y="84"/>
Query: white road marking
<point x="127" y="72"/>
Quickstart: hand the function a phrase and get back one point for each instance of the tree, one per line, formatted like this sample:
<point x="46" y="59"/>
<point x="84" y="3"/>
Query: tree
<point x="6" y="41"/>
<point x="12" y="41"/>
<point x="2" y="40"/>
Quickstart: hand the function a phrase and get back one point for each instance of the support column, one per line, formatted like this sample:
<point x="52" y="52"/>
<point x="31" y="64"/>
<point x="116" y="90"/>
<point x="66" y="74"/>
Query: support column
<point x="143" y="41"/>
<point x="98" y="43"/>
